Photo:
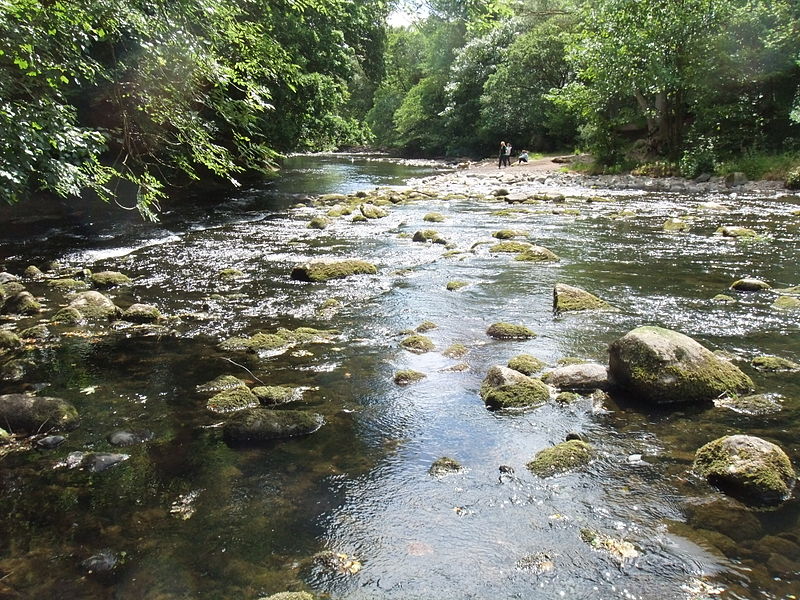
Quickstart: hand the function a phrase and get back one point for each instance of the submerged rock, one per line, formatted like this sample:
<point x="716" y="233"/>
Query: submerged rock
<point x="50" y="442"/>
<point x="561" y="458"/>
<point x="21" y="413"/>
<point x="755" y="404"/>
<point x="231" y="400"/>
<point x="723" y="299"/>
<point x="324" y="269"/>
<point x="509" y="331"/>
<point x="620" y="550"/>
<point x="408" y="376"/>
<point x="21" y="303"/>
<point x="229" y="274"/>
<point x="748" y="468"/>
<point x="578" y="378"/>
<point x="108" y="279"/>
<point x="509" y="246"/>
<point x="526" y="364"/>
<point x="750" y="284"/>
<point x="444" y="466"/>
<point x="141" y="313"/>
<point x="129" y="438"/>
<point x="94" y="305"/>
<point x="663" y="366"/>
<point x="94" y="462"/>
<point x="279" y="341"/>
<point x="220" y="384"/>
<point x="774" y="363"/>
<point x="101" y="563"/>
<point x="418" y="343"/>
<point x="786" y="303"/>
<point x="68" y="284"/>
<point x="724" y="516"/>
<point x="505" y="388"/>
<point x="567" y="298"/>
<point x="255" y="425"/>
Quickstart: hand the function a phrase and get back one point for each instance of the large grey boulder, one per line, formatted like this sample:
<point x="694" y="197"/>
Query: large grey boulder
<point x="663" y="366"/>
<point x="578" y="378"/>
<point x="20" y="413"/>
<point x="748" y="468"/>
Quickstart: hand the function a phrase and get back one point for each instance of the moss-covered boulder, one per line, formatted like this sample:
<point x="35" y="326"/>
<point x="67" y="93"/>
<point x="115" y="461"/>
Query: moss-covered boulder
<point x="318" y="222"/>
<point x="456" y="285"/>
<point x="426" y="326"/>
<point x="511" y="247"/>
<point x="323" y="269"/>
<point x="141" y="313"/>
<point x="271" y="395"/>
<point x="774" y="363"/>
<point x="455" y="351"/>
<point x="220" y="384"/>
<point x="418" y="343"/>
<point x="662" y="366"/>
<point x="231" y="400"/>
<point x="786" y="303"/>
<point x="507" y="234"/>
<point x="108" y="279"/>
<point x="433" y="217"/>
<point x="21" y="303"/>
<point x="340" y="210"/>
<point x="67" y="316"/>
<point x="428" y="235"/>
<point x="674" y="224"/>
<point x="526" y="364"/>
<point x="68" y="284"/>
<point x="32" y="272"/>
<point x="563" y="457"/>
<point x="230" y="274"/>
<point x="578" y="378"/>
<point x="20" y="413"/>
<point x="370" y="211"/>
<point x="734" y="231"/>
<point x="408" y="376"/>
<point x="750" y="284"/>
<point x="723" y="299"/>
<point x="259" y="425"/>
<point x="567" y="298"/>
<point x="748" y="468"/>
<point x="536" y="253"/>
<point x="9" y="340"/>
<point x="505" y="388"/>
<point x="37" y="332"/>
<point x="509" y="331"/>
<point x="280" y="340"/>
<point x="94" y="305"/>
<point x="445" y="466"/>
<point x="359" y="218"/>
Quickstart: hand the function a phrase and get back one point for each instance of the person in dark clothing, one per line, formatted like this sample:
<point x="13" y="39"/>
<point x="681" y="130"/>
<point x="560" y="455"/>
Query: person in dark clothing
<point x="502" y="160"/>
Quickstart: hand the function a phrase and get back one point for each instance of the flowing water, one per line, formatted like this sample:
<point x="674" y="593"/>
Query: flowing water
<point x="187" y="516"/>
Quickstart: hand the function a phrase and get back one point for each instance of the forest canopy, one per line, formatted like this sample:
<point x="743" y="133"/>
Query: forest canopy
<point x="126" y="99"/>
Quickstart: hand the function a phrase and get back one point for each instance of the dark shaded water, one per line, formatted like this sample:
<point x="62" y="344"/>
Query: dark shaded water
<point x="359" y="486"/>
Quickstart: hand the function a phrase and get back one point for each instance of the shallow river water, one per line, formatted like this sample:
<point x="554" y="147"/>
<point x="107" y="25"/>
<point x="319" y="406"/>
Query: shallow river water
<point x="187" y="516"/>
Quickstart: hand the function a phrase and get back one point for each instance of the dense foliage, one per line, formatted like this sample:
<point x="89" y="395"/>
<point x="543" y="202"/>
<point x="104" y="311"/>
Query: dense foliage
<point x="690" y="82"/>
<point x="124" y="97"/>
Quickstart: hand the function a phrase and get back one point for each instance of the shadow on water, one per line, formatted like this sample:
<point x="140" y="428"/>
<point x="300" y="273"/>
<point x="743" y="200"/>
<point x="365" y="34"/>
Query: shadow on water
<point x="187" y="516"/>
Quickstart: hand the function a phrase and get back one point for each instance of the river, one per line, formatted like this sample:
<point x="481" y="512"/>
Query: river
<point x="187" y="516"/>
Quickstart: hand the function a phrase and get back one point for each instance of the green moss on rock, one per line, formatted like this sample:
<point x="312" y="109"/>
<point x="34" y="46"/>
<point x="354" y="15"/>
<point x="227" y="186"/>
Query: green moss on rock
<point x="21" y="303"/>
<point x="67" y="316"/>
<point x="290" y="596"/>
<point x="509" y="331"/>
<point x="426" y="326"/>
<point x="229" y="274"/>
<point x="735" y="232"/>
<point x="220" y="384"/>
<point x="511" y="246"/>
<point x="561" y="458"/>
<point x="68" y="284"/>
<point x="787" y="303"/>
<point x="444" y="466"/>
<point x="359" y="218"/>
<point x="774" y="363"/>
<point x="318" y="222"/>
<point x="537" y="254"/>
<point x="142" y="313"/>
<point x="280" y="340"/>
<point x="528" y="394"/>
<point x="20" y="413"/>
<point x="749" y="284"/>
<point x="568" y="397"/>
<point x="455" y="351"/>
<point x="428" y="235"/>
<point x="370" y="211"/>
<point x="663" y="366"/>
<point x="567" y="298"/>
<point x="32" y="272"/>
<point x="326" y="269"/>
<point x="9" y="340"/>
<point x="748" y="468"/>
<point x="418" y="343"/>
<point x="675" y="224"/>
<point x="231" y="400"/>
<point x="408" y="376"/>
<point x="723" y="299"/>
<point x="259" y="425"/>
<point x="526" y="364"/>
<point x="339" y="211"/>
<point x="506" y="234"/>
<point x="433" y="217"/>
<point x="270" y="395"/>
<point x="108" y="279"/>
<point x="455" y="285"/>
<point x="94" y="305"/>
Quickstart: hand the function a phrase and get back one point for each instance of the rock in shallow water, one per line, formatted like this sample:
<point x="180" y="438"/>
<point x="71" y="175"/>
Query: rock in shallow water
<point x="662" y="366"/>
<point x="576" y="378"/>
<point x="748" y="468"/>
<point x="20" y="413"/>
<point x="258" y="425"/>
<point x="129" y="438"/>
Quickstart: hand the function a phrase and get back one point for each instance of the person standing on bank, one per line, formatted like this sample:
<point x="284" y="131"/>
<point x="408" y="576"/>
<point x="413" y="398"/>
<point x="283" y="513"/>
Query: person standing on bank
<point x="502" y="160"/>
<point x="508" y="154"/>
